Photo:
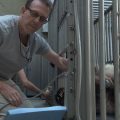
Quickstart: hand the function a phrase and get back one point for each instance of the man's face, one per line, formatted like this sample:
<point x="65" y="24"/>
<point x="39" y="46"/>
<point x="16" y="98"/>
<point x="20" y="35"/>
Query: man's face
<point x="34" y="17"/>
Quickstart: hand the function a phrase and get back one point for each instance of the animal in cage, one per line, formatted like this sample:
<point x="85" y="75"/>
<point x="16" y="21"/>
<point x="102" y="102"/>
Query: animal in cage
<point x="109" y="84"/>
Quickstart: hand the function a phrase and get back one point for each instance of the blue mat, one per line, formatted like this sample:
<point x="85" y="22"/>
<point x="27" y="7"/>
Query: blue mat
<point x="46" y="113"/>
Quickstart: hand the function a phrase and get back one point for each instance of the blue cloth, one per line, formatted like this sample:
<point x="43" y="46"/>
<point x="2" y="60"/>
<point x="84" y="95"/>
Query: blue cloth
<point x="46" y="113"/>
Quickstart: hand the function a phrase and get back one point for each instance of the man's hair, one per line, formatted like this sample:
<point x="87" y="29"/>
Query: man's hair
<point x="46" y="2"/>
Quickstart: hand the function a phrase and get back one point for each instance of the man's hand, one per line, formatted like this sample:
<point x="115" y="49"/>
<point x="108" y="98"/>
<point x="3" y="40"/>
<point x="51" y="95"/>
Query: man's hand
<point x="11" y="94"/>
<point x="64" y="64"/>
<point x="56" y="59"/>
<point x="48" y="96"/>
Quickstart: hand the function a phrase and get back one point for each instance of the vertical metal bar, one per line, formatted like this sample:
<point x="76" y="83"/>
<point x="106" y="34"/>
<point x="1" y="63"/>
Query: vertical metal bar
<point x="70" y="84"/>
<point x="88" y="60"/>
<point x="95" y="37"/>
<point x="110" y="37"/>
<point x="106" y="40"/>
<point x="79" y="60"/>
<point x="92" y="46"/>
<point x="102" y="61"/>
<point x="116" y="59"/>
<point x="98" y="46"/>
<point x="119" y="23"/>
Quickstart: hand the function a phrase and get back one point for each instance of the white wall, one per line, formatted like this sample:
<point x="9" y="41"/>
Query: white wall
<point x="10" y="6"/>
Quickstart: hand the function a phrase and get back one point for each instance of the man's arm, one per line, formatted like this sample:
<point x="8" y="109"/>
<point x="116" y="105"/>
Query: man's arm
<point x="29" y="85"/>
<point x="59" y="61"/>
<point x="26" y="83"/>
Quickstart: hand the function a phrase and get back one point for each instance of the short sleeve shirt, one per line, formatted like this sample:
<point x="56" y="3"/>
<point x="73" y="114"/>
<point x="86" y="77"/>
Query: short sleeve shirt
<point x="13" y="54"/>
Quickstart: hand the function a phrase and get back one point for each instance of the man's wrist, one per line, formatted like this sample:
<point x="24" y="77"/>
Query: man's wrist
<point x="1" y="85"/>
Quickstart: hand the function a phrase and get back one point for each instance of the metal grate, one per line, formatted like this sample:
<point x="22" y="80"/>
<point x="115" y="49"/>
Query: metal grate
<point x="107" y="4"/>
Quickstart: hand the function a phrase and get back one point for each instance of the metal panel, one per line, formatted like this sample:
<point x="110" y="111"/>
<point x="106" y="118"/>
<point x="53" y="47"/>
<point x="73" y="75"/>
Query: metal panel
<point x="37" y="71"/>
<point x="65" y="35"/>
<point x="53" y="39"/>
<point x="34" y="72"/>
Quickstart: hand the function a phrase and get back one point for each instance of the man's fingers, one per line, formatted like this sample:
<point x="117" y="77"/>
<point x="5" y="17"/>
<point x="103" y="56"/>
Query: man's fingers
<point x="11" y="94"/>
<point x="16" y="99"/>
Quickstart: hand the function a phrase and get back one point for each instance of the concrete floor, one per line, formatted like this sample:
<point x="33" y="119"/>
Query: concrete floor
<point x="109" y="117"/>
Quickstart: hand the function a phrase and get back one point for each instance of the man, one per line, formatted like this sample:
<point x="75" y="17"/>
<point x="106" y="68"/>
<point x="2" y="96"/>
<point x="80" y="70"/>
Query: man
<point x="18" y="43"/>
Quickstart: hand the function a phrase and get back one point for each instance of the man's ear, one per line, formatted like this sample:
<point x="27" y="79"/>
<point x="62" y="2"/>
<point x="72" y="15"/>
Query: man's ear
<point x="23" y="9"/>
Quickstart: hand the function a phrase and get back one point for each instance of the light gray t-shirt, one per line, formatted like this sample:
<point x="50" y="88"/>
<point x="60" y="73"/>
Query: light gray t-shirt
<point x="13" y="54"/>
